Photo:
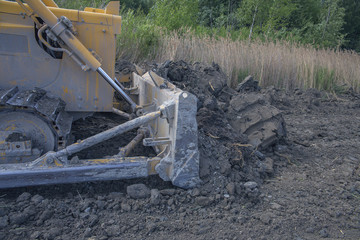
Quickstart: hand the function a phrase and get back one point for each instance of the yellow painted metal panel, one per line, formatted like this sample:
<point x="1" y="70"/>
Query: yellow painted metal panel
<point x="82" y="91"/>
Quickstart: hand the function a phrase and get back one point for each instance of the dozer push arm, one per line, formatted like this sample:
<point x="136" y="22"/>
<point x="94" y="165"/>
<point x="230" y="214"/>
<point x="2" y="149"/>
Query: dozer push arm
<point x="61" y="28"/>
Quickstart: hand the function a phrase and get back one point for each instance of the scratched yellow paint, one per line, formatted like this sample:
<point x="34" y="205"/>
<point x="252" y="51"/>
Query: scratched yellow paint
<point x="12" y="127"/>
<point x="66" y="90"/>
<point x="105" y="160"/>
<point x="57" y="163"/>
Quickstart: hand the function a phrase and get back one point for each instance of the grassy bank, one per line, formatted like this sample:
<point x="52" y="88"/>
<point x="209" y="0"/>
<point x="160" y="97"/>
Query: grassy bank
<point x="280" y="64"/>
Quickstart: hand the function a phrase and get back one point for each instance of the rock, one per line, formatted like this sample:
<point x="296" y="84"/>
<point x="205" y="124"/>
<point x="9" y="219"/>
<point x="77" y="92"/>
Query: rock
<point x="225" y="167"/>
<point x="250" y="185"/>
<point x="231" y="188"/>
<point x="259" y="155"/>
<point x="138" y="191"/>
<point x="35" y="235"/>
<point x="37" y="199"/>
<point x="195" y="192"/>
<point x="151" y="227"/>
<point x="54" y="232"/>
<point x="113" y="230"/>
<point x="310" y="230"/>
<point x="87" y="232"/>
<point x="4" y="221"/>
<point x="100" y="204"/>
<point x="170" y="202"/>
<point x="115" y="195"/>
<point x="46" y="215"/>
<point x="23" y="197"/>
<point x="126" y="207"/>
<point x="251" y="189"/>
<point x="275" y="206"/>
<point x="266" y="218"/>
<point x="4" y="211"/>
<point x="18" y="218"/>
<point x="324" y="233"/>
<point x="203" y="201"/>
<point x="269" y="165"/>
<point x="93" y="220"/>
<point x="84" y="215"/>
<point x="168" y="192"/>
<point x="155" y="197"/>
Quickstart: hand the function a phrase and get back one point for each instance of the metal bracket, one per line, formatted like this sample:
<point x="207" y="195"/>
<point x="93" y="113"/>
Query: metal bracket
<point x="150" y="142"/>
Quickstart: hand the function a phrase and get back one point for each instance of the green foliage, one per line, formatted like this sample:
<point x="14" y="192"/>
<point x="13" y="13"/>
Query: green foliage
<point x="324" y="79"/>
<point x="139" y="37"/>
<point x="143" y="5"/>
<point x="81" y="4"/>
<point x="218" y="13"/>
<point x="327" y="32"/>
<point x="242" y="74"/>
<point x="352" y="24"/>
<point x="174" y="14"/>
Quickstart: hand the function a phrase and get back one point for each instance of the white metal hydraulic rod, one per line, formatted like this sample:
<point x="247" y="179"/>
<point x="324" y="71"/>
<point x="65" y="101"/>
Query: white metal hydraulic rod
<point x="108" y="134"/>
<point x="117" y="88"/>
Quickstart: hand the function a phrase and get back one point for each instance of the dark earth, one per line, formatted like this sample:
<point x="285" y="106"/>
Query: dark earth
<point x="290" y="170"/>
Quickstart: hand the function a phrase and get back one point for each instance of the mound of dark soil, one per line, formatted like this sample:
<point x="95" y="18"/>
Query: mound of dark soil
<point x="229" y="121"/>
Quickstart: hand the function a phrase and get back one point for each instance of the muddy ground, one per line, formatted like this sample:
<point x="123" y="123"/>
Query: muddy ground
<point x="302" y="186"/>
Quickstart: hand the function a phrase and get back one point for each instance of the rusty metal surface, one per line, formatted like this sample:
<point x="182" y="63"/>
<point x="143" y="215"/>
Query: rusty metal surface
<point x="125" y="151"/>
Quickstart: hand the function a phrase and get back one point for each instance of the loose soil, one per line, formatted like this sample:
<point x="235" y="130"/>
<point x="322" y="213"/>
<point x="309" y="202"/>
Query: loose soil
<point x="303" y="184"/>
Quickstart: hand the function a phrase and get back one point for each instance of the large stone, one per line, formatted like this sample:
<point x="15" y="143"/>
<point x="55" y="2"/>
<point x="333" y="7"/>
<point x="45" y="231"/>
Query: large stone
<point x="23" y="197"/>
<point x="203" y="201"/>
<point x="4" y="221"/>
<point x="231" y="188"/>
<point x="138" y="191"/>
<point x="155" y="197"/>
<point x="37" y="199"/>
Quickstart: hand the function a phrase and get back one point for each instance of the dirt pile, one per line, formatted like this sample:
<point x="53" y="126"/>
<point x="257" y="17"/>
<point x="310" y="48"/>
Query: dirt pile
<point x="229" y="121"/>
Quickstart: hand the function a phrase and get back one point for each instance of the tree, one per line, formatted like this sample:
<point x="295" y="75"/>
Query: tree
<point x="144" y="5"/>
<point x="218" y="13"/>
<point x="174" y="14"/>
<point x="263" y="16"/>
<point x="352" y="24"/>
<point x="327" y="32"/>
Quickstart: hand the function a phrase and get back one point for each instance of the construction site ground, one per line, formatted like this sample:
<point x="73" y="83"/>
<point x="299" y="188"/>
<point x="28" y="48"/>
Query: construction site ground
<point x="305" y="186"/>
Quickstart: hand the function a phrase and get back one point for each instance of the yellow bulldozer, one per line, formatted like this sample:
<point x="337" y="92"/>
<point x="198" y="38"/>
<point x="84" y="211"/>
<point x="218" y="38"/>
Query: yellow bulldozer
<point x="58" y="65"/>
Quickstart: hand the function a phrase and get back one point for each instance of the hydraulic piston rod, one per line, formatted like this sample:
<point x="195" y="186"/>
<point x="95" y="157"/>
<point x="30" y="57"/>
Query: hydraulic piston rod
<point x="117" y="88"/>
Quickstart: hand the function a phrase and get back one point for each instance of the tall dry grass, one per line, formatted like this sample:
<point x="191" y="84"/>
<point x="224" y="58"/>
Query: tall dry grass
<point x="281" y="64"/>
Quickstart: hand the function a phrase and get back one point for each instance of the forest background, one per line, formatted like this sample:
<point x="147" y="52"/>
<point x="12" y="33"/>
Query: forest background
<point x="287" y="43"/>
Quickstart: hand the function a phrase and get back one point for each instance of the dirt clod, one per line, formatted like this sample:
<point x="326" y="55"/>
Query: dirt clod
<point x="138" y="191"/>
<point x="23" y="197"/>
